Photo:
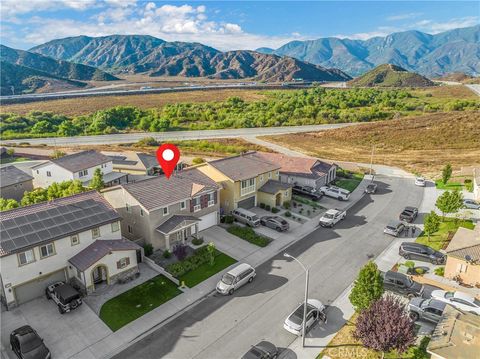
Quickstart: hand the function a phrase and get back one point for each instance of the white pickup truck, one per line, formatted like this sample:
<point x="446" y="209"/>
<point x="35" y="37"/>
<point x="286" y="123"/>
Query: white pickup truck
<point x="335" y="192"/>
<point x="331" y="217"/>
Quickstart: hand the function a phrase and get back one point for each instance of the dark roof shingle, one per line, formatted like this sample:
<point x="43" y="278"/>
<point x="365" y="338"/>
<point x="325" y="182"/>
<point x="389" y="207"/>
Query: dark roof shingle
<point x="82" y="160"/>
<point x="11" y="175"/>
<point x="244" y="166"/>
<point x="272" y="187"/>
<point x="174" y="221"/>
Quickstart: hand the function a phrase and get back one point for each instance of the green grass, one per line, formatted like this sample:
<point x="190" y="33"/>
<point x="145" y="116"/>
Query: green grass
<point x="205" y="270"/>
<point x="438" y="239"/>
<point x="307" y="201"/>
<point x="249" y="235"/>
<point x="449" y="186"/>
<point x="12" y="159"/>
<point x="349" y="183"/>
<point x="137" y="301"/>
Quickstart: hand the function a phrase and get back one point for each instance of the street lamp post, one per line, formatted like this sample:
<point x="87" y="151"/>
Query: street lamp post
<point x="304" y="325"/>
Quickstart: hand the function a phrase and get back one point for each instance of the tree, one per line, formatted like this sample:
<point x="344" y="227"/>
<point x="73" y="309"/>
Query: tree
<point x="6" y="204"/>
<point x="385" y="326"/>
<point x="97" y="180"/>
<point x="36" y="196"/>
<point x="57" y="154"/>
<point x="446" y="173"/>
<point x="197" y="160"/>
<point x="211" y="252"/>
<point x="367" y="288"/>
<point x="431" y="223"/>
<point x="449" y="202"/>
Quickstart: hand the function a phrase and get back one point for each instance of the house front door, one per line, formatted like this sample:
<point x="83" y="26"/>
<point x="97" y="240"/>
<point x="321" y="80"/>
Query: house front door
<point x="98" y="275"/>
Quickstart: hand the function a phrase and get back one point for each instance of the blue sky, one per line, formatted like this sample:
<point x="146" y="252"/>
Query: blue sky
<point x="227" y="25"/>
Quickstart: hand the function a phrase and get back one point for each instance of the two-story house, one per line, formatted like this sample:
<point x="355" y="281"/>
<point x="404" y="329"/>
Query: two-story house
<point x="247" y="180"/>
<point x="74" y="238"/>
<point x="78" y="166"/>
<point x="164" y="211"/>
<point x="14" y="183"/>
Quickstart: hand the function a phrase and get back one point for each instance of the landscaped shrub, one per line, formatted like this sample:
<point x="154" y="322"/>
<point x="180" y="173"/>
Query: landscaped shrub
<point x="197" y="241"/>
<point x="468" y="185"/>
<point x="248" y="234"/>
<point x="197" y="160"/>
<point x="201" y="255"/>
<point x="167" y="254"/>
<point x="267" y="207"/>
<point x="288" y="214"/>
<point x="180" y="251"/>
<point x="262" y="205"/>
<point x="275" y="210"/>
<point x="440" y="271"/>
<point x="228" y="219"/>
<point x="409" y="264"/>
<point x="419" y="270"/>
<point x="286" y="204"/>
<point x="148" y="249"/>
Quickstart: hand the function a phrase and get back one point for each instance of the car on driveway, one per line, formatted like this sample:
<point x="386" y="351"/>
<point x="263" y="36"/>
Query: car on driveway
<point x="420" y="181"/>
<point x="402" y="284"/>
<point x="262" y="350"/>
<point x="307" y="191"/>
<point x="394" y="228"/>
<point x="27" y="344"/>
<point x="470" y="204"/>
<point x="459" y="300"/>
<point x="426" y="309"/>
<point x="371" y="188"/>
<point x="331" y="217"/>
<point x="421" y="252"/>
<point x="275" y="222"/>
<point x="315" y="312"/>
<point x="335" y="192"/>
<point x="64" y="295"/>
<point x="408" y="214"/>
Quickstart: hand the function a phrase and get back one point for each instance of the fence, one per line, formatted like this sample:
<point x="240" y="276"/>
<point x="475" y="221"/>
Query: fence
<point x="159" y="269"/>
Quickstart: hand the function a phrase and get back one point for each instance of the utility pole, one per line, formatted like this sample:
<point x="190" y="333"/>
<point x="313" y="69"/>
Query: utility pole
<point x="371" y="159"/>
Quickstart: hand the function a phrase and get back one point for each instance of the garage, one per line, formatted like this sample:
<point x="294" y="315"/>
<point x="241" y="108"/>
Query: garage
<point x="36" y="288"/>
<point x="247" y="203"/>
<point x="208" y="221"/>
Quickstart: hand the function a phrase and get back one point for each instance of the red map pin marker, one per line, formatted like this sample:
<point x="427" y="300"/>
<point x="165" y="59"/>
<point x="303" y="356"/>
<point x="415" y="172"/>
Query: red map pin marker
<point x="168" y="156"/>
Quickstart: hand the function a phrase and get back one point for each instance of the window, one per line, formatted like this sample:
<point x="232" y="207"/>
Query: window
<point x="183" y="205"/>
<point x="83" y="173"/>
<point x="47" y="250"/>
<point x="269" y="174"/>
<point x="165" y="211"/>
<point x="122" y="263"/>
<point x="247" y="186"/>
<point x="75" y="239"/>
<point x="261" y="178"/>
<point x="38" y="172"/>
<point x="96" y="232"/>
<point x="130" y="229"/>
<point x="26" y="257"/>
<point x="127" y="207"/>
<point x="286" y="193"/>
<point x="277" y="173"/>
<point x="196" y="204"/>
<point x="115" y="227"/>
<point x="49" y="174"/>
<point x="211" y="199"/>
<point x="141" y="212"/>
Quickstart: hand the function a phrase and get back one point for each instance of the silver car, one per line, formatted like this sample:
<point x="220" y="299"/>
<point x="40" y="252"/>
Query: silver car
<point x="394" y="228"/>
<point x="275" y="222"/>
<point x="426" y="309"/>
<point x="470" y="204"/>
<point x="315" y="312"/>
<point x="235" y="278"/>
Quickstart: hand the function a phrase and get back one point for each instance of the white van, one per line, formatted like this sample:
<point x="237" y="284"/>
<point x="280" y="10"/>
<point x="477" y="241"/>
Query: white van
<point x="246" y="217"/>
<point x="235" y="278"/>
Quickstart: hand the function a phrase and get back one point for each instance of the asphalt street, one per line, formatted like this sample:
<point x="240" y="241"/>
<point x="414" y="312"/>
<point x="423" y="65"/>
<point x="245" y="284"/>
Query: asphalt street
<point x="226" y="327"/>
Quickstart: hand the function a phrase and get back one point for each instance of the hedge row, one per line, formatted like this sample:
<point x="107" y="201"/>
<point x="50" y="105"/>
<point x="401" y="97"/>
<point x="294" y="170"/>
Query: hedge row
<point x="199" y="257"/>
<point x="249" y="235"/>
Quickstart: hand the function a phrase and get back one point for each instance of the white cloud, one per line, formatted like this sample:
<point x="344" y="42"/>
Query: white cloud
<point x="407" y="16"/>
<point x="15" y="7"/>
<point x="434" y="27"/>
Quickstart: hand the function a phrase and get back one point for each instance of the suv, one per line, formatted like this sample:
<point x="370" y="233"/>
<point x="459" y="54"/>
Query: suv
<point x="335" y="192"/>
<point x="307" y="191"/>
<point x="408" y="214"/>
<point x="394" y="228"/>
<point x="64" y="295"/>
<point x="421" y="252"/>
<point x="331" y="217"/>
<point x="402" y="284"/>
<point x="275" y="222"/>
<point x="246" y="217"/>
<point x="426" y="309"/>
<point x="235" y="278"/>
<point x="26" y="343"/>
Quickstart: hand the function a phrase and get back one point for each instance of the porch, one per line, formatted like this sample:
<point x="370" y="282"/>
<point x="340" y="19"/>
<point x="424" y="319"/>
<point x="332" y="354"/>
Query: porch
<point x="178" y="229"/>
<point x="274" y="193"/>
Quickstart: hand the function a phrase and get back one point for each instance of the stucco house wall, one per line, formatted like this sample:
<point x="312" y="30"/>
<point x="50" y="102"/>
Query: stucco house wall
<point x="469" y="273"/>
<point x="16" y="191"/>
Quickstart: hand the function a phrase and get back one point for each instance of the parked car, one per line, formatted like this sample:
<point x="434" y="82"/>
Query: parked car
<point x="262" y="350"/>
<point x="307" y="191"/>
<point x="420" y="181"/>
<point x="470" y="204"/>
<point x="402" y="284"/>
<point x="331" y="217"/>
<point x="394" y="228"/>
<point x="275" y="222"/>
<point x="335" y="192"/>
<point x="459" y="300"/>
<point x="315" y="312"/>
<point x="27" y="344"/>
<point x="371" y="188"/>
<point x="426" y="309"/>
<point x="421" y="252"/>
<point x="235" y="278"/>
<point x="64" y="296"/>
<point x="408" y="214"/>
<point x="246" y="217"/>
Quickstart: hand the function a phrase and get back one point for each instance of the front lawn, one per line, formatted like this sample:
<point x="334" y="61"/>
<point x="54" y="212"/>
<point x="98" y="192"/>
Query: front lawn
<point x="350" y="182"/>
<point x="450" y="186"/>
<point x="438" y="239"/>
<point x="137" y="301"/>
<point x="249" y="235"/>
<point x="204" y="271"/>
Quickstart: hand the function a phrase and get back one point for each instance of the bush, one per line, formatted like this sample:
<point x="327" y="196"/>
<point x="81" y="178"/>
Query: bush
<point x="229" y="219"/>
<point x="262" y="205"/>
<point x="147" y="141"/>
<point x="267" y="207"/>
<point x="286" y="204"/>
<point x="248" y="234"/>
<point x="167" y="253"/>
<point x="201" y="255"/>
<point x="197" y="160"/>
<point x="148" y="249"/>
<point x="288" y="214"/>
<point x="468" y="185"/>
<point x="409" y="264"/>
<point x="440" y="271"/>
<point x="197" y="241"/>
<point x="275" y="210"/>
<point x="419" y="270"/>
<point x="180" y="251"/>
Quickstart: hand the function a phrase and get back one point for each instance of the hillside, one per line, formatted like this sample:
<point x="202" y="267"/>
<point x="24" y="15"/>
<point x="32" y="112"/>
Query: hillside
<point x="430" y="55"/>
<point x="389" y="75"/>
<point x="146" y="54"/>
<point x="460" y="77"/>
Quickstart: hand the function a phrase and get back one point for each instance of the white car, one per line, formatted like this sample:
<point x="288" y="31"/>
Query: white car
<point x="335" y="192"/>
<point x="420" y="181"/>
<point x="315" y="312"/>
<point x="331" y="217"/>
<point x="459" y="300"/>
<point x="470" y="204"/>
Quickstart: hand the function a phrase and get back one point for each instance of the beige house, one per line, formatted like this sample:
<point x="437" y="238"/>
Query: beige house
<point x="463" y="256"/>
<point x="247" y="180"/>
<point x="456" y="336"/>
<point x="163" y="211"/>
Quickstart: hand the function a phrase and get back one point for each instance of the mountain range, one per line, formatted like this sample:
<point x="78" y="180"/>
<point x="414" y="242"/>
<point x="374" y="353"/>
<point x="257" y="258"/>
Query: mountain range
<point x="456" y="50"/>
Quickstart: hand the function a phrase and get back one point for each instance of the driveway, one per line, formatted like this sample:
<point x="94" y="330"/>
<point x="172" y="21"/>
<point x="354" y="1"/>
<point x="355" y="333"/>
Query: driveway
<point x="227" y="243"/>
<point x="65" y="335"/>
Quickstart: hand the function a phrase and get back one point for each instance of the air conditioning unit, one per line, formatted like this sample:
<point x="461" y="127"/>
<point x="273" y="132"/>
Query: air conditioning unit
<point x="197" y="208"/>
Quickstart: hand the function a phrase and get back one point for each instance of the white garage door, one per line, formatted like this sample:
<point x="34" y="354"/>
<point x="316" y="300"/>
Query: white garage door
<point x="36" y="288"/>
<point x="207" y="221"/>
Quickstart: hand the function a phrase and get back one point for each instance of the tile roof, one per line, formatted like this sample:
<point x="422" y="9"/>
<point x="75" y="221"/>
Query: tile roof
<point x="11" y="175"/>
<point x="464" y="238"/>
<point x="272" y="187"/>
<point x="244" y="166"/>
<point x="300" y="166"/>
<point x="160" y="191"/>
<point x="99" y="249"/>
<point x="175" y="221"/>
<point x="108" y="177"/>
<point x="81" y="161"/>
<point x="25" y="227"/>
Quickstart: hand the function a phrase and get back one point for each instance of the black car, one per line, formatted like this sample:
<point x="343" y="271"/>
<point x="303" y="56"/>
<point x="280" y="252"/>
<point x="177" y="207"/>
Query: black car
<point x="421" y="252"/>
<point x="27" y="344"/>
<point x="64" y="295"/>
<point x="307" y="191"/>
<point x="402" y="284"/>
<point x="263" y="350"/>
<point x="426" y="309"/>
<point x="408" y="214"/>
<point x="371" y="188"/>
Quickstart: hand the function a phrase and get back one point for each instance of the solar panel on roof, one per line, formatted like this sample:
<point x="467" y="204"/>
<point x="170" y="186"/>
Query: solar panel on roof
<point x="8" y="245"/>
<point x="26" y="228"/>
<point x="102" y="216"/>
<point x="9" y="223"/>
<point x="21" y="241"/>
<point x="44" y="235"/>
<point x="4" y="236"/>
<point x="69" y="216"/>
<point x="37" y="226"/>
<point x="58" y="220"/>
<point x="29" y="218"/>
<point x="14" y="232"/>
<point x="76" y="224"/>
<point x="52" y="212"/>
<point x="65" y="228"/>
<point x="54" y="232"/>
<point x="48" y="222"/>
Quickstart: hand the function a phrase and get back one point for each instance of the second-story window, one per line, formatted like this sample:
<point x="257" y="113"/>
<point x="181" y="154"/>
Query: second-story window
<point x="165" y="211"/>
<point x="47" y="250"/>
<point x="115" y="227"/>
<point x="95" y="232"/>
<point x="247" y="186"/>
<point x="26" y="257"/>
<point x="183" y="205"/>
<point x="196" y="204"/>
<point x="211" y="199"/>
<point x="49" y="174"/>
<point x="75" y="239"/>
<point x="83" y="173"/>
